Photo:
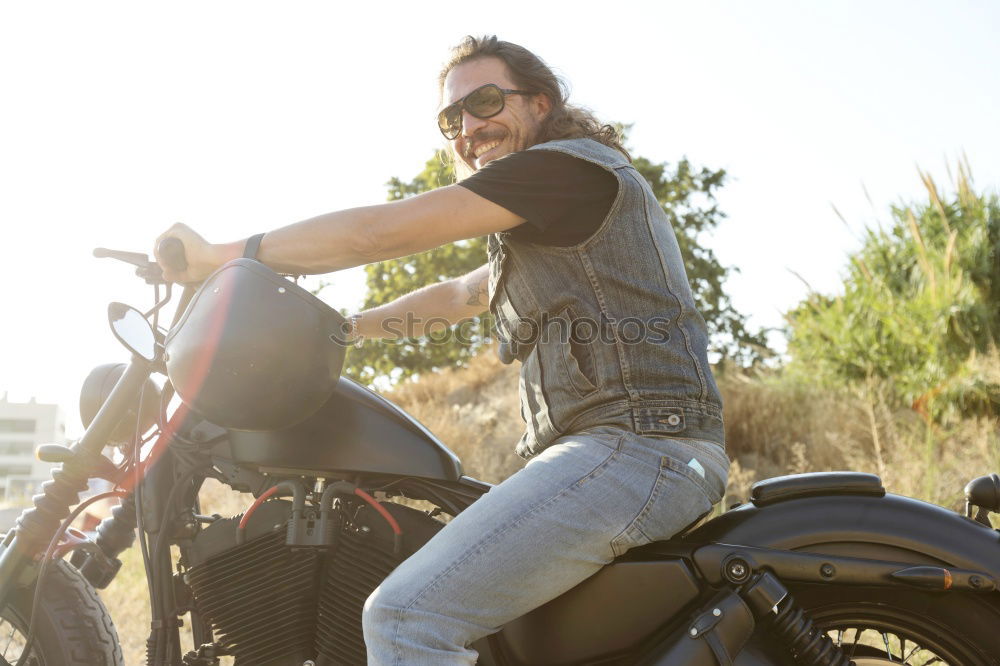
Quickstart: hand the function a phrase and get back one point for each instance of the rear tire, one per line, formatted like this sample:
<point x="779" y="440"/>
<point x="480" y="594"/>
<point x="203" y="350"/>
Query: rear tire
<point x="900" y="626"/>
<point x="72" y="626"/>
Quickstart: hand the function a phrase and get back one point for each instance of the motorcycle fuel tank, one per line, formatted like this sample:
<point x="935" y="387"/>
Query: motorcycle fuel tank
<point x="357" y="430"/>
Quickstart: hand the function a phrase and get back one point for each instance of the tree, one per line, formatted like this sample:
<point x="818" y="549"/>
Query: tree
<point x="686" y="193"/>
<point x="920" y="311"/>
<point x="388" y="280"/>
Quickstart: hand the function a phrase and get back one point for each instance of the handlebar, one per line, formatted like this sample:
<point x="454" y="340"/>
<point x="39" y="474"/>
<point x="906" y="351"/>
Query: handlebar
<point x="144" y="268"/>
<point x="171" y="251"/>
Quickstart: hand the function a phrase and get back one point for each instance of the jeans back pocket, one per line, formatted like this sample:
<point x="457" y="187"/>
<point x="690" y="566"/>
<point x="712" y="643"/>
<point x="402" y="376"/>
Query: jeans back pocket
<point x="680" y="496"/>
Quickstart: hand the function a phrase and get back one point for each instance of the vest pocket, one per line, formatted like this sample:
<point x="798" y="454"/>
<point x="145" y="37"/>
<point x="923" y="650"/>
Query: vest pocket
<point x="577" y="358"/>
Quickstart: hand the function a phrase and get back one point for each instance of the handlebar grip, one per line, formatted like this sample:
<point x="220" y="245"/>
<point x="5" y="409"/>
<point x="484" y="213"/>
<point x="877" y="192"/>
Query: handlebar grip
<point x="171" y="251"/>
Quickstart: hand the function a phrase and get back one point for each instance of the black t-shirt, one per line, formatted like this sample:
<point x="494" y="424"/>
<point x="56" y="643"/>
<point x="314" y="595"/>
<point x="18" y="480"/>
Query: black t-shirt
<point x="563" y="198"/>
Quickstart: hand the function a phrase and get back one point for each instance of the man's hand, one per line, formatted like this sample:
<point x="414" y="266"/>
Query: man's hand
<point x="202" y="257"/>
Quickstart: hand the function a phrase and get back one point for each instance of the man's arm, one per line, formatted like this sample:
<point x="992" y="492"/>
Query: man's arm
<point x="355" y="236"/>
<point x="410" y="316"/>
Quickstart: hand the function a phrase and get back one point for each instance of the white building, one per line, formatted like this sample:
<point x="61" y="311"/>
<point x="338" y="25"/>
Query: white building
<point x="23" y="426"/>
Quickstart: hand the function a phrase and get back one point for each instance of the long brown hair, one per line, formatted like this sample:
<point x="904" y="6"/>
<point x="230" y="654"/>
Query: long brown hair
<point x="529" y="72"/>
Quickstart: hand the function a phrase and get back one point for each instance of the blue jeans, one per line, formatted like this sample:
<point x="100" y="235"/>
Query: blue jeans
<point x="583" y="501"/>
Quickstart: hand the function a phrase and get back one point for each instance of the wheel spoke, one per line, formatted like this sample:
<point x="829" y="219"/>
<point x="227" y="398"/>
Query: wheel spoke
<point x="888" y="650"/>
<point x="10" y="639"/>
<point x="15" y="643"/>
<point x="854" y="647"/>
<point x="885" y="645"/>
<point x="906" y="657"/>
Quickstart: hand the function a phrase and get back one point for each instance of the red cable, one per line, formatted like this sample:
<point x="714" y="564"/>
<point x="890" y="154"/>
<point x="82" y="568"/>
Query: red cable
<point x="253" y="507"/>
<point x="357" y="491"/>
<point x="381" y="509"/>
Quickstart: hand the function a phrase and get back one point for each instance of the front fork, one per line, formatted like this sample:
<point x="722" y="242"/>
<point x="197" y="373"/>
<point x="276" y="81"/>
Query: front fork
<point x="36" y="526"/>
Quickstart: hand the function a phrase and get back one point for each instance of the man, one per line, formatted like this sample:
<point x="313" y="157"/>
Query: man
<point x="624" y="430"/>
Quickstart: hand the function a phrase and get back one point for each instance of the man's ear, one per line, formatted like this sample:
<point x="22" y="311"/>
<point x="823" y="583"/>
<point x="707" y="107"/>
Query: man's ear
<point x="542" y="104"/>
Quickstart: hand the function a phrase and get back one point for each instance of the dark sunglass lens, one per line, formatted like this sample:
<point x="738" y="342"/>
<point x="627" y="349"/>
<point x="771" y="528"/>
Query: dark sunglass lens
<point x="485" y="102"/>
<point x="450" y="121"/>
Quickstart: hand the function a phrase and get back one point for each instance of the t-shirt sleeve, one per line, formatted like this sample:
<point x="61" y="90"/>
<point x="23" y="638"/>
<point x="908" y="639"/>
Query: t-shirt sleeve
<point x="557" y="194"/>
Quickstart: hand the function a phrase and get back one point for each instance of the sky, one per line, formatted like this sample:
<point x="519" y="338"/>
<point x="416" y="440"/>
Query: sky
<point x="119" y="118"/>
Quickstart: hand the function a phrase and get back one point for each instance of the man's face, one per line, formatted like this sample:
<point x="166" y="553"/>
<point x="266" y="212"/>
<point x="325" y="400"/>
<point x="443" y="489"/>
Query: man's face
<point x="511" y="130"/>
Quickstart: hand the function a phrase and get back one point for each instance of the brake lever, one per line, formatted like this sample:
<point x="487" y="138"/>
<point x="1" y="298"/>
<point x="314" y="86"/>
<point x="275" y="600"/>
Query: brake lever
<point x="149" y="271"/>
<point x="152" y="274"/>
<point x="135" y="258"/>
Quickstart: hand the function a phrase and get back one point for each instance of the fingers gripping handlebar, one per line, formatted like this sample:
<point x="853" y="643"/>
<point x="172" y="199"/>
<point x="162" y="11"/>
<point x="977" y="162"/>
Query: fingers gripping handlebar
<point x="172" y="255"/>
<point x="171" y="252"/>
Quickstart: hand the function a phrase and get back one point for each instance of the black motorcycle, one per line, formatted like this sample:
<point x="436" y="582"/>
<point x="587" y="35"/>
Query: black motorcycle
<point x="823" y="569"/>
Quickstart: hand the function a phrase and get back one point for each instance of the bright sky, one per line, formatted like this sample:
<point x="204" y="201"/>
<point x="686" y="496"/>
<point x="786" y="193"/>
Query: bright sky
<point x="119" y="118"/>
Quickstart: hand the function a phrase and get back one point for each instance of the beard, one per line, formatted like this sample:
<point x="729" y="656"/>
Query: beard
<point x="516" y="141"/>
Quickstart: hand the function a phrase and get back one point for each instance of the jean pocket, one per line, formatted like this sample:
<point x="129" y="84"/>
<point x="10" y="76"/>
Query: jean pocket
<point x="695" y="475"/>
<point x="679" y="497"/>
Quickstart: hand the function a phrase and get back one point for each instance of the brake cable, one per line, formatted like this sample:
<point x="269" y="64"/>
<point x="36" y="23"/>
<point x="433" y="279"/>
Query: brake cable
<point x="46" y="558"/>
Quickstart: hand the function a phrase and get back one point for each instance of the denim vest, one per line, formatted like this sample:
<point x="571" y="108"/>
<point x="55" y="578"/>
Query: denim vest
<point x="606" y="331"/>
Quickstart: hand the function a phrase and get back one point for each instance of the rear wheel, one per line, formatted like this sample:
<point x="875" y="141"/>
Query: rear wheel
<point x="892" y="626"/>
<point x="72" y="626"/>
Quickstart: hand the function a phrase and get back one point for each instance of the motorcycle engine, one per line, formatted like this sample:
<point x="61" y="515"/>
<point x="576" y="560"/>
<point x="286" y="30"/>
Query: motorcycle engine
<point x="270" y="604"/>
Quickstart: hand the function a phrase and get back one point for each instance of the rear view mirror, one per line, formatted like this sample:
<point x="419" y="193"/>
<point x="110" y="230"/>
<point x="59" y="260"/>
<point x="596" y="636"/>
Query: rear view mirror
<point x="132" y="330"/>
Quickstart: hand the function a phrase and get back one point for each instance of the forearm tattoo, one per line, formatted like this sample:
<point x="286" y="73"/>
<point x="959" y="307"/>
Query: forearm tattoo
<point x="477" y="292"/>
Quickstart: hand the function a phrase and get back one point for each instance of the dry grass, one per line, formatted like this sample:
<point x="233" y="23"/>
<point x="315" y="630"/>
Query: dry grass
<point x="774" y="426"/>
<point x="778" y="426"/>
<point x="128" y="602"/>
<point x="474" y="411"/>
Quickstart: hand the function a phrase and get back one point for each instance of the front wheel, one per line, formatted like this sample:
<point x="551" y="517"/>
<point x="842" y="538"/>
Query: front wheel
<point x="72" y="628"/>
<point x="881" y="626"/>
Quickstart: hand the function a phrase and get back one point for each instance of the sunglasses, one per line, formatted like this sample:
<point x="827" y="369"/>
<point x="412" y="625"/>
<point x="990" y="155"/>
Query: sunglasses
<point x="483" y="102"/>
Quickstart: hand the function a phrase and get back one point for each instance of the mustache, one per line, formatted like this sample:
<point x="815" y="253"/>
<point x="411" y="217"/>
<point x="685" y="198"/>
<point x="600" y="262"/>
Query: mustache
<point x="479" y="137"/>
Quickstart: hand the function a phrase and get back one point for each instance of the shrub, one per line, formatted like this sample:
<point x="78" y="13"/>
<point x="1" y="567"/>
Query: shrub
<point x="919" y="309"/>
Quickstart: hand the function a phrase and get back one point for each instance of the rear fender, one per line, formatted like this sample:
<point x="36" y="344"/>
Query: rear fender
<point x="886" y="527"/>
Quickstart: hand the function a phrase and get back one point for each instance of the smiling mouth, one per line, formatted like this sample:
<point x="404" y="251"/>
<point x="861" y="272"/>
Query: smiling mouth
<point x="484" y="148"/>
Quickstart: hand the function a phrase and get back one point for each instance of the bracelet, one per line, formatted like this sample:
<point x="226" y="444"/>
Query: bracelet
<point x="358" y="338"/>
<point x="252" y="246"/>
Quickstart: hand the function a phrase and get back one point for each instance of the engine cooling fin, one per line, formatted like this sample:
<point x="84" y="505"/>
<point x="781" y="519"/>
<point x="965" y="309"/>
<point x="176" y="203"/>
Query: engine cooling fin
<point x="357" y="566"/>
<point x="261" y="600"/>
<point x="272" y="605"/>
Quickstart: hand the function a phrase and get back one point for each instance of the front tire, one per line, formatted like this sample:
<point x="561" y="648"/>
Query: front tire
<point x="72" y="626"/>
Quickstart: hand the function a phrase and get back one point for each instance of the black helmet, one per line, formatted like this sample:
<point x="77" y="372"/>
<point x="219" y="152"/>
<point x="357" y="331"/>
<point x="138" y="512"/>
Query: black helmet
<point x="254" y="351"/>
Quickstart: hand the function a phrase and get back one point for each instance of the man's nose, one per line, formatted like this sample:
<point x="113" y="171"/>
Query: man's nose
<point x="471" y="124"/>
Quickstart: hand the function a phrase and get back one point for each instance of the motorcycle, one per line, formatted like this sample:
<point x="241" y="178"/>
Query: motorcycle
<point x="822" y="569"/>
